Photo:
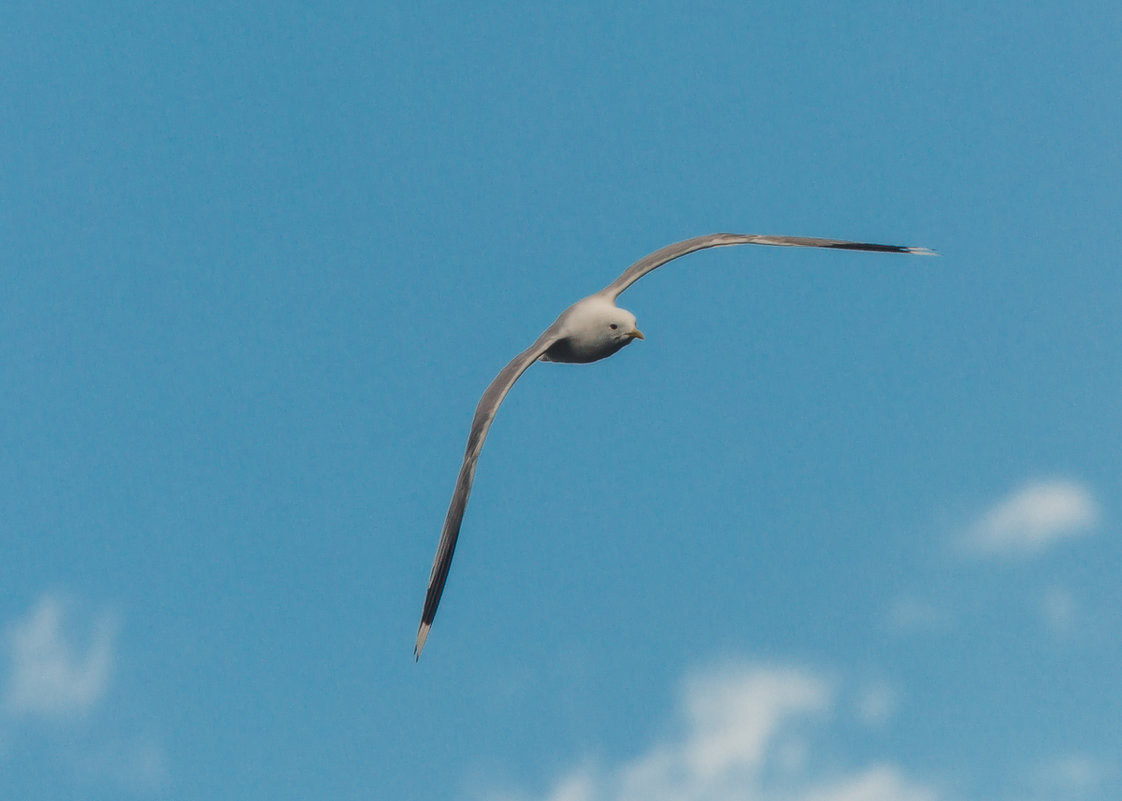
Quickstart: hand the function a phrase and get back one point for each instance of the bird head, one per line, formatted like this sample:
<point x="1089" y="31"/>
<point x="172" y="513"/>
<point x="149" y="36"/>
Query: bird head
<point x="621" y="328"/>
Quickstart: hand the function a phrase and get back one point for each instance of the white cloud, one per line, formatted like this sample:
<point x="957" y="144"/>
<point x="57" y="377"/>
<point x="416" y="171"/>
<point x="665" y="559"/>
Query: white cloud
<point x="745" y="736"/>
<point x="54" y="671"/>
<point x="735" y="718"/>
<point x="57" y="662"/>
<point x="1033" y="518"/>
<point x="878" y="783"/>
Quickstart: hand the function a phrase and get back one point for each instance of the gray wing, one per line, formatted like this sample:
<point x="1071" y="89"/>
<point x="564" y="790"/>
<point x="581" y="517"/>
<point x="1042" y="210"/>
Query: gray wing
<point x="679" y="249"/>
<point x="484" y="414"/>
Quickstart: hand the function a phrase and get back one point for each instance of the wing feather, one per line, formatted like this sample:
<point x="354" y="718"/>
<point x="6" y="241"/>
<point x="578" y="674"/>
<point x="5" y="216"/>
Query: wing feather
<point x="484" y="414"/>
<point x="687" y="246"/>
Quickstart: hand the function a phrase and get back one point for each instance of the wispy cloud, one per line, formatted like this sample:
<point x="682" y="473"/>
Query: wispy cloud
<point x="907" y="615"/>
<point x="746" y="735"/>
<point x="877" y="703"/>
<point x="1059" y="610"/>
<point x="55" y="668"/>
<point x="1074" y="775"/>
<point x="1033" y="518"/>
<point x="735" y="717"/>
<point x="57" y="664"/>
<point x="138" y="766"/>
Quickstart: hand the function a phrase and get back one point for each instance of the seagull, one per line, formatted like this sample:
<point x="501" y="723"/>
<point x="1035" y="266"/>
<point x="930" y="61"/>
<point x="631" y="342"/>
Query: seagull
<point x="589" y="330"/>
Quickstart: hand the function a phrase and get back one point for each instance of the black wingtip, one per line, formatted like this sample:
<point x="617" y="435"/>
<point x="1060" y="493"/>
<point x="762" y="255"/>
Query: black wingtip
<point x="422" y="635"/>
<point x="870" y="246"/>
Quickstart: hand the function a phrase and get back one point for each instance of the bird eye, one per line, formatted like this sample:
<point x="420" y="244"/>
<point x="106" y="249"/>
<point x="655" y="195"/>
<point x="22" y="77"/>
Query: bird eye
<point x="613" y="326"/>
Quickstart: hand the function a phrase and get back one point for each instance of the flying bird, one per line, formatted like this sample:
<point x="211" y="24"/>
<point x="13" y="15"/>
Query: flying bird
<point x="589" y="330"/>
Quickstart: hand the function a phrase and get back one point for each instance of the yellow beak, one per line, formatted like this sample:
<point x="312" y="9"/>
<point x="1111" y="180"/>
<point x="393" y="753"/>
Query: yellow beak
<point x="636" y="334"/>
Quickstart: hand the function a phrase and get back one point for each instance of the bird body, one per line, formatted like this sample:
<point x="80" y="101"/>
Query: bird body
<point x="591" y="329"/>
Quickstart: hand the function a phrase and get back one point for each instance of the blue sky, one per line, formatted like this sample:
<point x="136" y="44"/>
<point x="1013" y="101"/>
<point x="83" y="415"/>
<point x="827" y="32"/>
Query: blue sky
<point x="843" y="528"/>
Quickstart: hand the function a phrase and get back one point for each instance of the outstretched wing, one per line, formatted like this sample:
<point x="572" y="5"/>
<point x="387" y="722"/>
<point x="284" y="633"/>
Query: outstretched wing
<point x="484" y="414"/>
<point x="679" y="249"/>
